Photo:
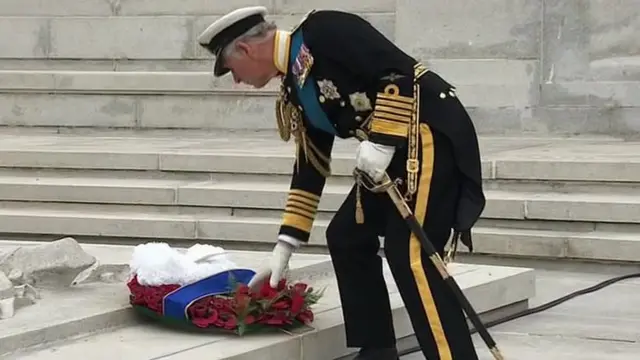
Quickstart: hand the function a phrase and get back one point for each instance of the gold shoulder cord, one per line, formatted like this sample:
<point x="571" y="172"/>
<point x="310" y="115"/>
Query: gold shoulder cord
<point x="413" y="164"/>
<point x="289" y="120"/>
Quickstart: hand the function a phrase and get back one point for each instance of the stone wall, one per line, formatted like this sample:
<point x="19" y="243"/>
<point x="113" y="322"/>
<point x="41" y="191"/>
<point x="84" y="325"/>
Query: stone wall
<point x="521" y="66"/>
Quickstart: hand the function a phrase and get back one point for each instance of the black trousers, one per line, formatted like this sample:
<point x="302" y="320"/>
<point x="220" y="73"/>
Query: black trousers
<point x="438" y="321"/>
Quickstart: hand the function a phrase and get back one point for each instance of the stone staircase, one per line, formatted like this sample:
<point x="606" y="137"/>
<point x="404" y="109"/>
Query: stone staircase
<point x="192" y="169"/>
<point x="551" y="198"/>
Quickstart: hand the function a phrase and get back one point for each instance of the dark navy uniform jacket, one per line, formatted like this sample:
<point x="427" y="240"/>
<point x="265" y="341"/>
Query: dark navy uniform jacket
<point x="343" y="78"/>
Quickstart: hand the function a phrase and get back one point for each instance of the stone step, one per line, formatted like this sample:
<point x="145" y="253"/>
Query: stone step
<point x="236" y="194"/>
<point x="585" y="245"/>
<point x="191" y="100"/>
<point x="504" y="158"/>
<point x="493" y="291"/>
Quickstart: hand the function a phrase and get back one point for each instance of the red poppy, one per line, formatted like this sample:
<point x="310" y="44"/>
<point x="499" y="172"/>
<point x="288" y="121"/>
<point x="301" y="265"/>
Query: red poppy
<point x="272" y="307"/>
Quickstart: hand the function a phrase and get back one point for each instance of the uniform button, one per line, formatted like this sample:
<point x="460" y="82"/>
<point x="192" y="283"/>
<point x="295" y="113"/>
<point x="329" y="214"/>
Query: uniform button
<point x="342" y="103"/>
<point x="442" y="95"/>
<point x="358" y="118"/>
<point x="452" y="94"/>
<point x="321" y="98"/>
<point x="289" y="88"/>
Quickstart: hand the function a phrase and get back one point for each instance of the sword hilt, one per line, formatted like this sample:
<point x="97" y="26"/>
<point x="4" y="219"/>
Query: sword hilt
<point x="363" y="179"/>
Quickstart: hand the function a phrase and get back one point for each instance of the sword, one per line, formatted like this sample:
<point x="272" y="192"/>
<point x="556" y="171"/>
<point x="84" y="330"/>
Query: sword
<point x="390" y="187"/>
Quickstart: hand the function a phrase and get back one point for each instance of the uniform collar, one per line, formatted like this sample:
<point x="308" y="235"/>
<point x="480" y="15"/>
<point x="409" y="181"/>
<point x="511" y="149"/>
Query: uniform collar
<point x="281" y="48"/>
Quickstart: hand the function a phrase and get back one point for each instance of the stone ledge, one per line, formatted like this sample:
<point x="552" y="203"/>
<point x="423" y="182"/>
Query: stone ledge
<point x="478" y="92"/>
<point x="608" y="161"/>
<point x="489" y="288"/>
<point x="265" y="193"/>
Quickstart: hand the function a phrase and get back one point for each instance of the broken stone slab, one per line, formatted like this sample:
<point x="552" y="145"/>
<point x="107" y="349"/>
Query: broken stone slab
<point x="48" y="265"/>
<point x="7" y="297"/>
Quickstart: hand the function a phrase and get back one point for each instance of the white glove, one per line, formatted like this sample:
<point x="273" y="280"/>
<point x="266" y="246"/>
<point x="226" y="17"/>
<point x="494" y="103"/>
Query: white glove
<point x="278" y="263"/>
<point x="374" y="159"/>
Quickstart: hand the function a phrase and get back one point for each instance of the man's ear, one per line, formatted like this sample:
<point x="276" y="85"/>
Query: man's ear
<point x="244" y="49"/>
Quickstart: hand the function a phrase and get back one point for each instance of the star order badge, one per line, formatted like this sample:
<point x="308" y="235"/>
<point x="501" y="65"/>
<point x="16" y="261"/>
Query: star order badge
<point x="328" y="89"/>
<point x="360" y="101"/>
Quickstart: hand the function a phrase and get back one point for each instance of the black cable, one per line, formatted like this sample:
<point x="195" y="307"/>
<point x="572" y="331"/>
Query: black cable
<point x="540" y="308"/>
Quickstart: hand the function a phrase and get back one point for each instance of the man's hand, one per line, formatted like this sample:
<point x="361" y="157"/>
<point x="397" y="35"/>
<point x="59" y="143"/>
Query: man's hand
<point x="374" y="159"/>
<point x="278" y="263"/>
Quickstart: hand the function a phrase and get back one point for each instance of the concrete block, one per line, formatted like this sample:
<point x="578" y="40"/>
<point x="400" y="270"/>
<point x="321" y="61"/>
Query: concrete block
<point x="58" y="8"/>
<point x="304" y="6"/>
<point x="625" y="122"/>
<point x="77" y="110"/>
<point x="610" y="94"/>
<point x="569" y="120"/>
<point x="185" y="7"/>
<point x="24" y="38"/>
<point x="486" y="71"/>
<point x="608" y="120"/>
<point x="462" y="29"/>
<point x="122" y="37"/>
<point x="587" y="40"/>
<point x="498" y="121"/>
<point x="209" y="112"/>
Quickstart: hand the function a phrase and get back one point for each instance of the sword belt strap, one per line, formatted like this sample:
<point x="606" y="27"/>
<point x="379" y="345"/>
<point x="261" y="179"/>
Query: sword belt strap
<point x="413" y="162"/>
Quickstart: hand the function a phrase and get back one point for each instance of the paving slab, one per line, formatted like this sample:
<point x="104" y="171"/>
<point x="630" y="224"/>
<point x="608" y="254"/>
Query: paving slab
<point x="489" y="288"/>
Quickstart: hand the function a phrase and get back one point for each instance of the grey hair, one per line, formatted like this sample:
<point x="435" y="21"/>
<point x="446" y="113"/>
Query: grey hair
<point x="256" y="33"/>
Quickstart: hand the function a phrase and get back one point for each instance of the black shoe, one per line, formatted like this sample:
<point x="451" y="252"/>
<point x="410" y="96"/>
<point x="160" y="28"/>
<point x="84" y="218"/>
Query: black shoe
<point x="377" y="354"/>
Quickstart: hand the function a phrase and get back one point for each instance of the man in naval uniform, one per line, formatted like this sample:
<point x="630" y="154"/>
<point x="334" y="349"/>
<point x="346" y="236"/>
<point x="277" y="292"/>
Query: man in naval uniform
<point x="341" y="78"/>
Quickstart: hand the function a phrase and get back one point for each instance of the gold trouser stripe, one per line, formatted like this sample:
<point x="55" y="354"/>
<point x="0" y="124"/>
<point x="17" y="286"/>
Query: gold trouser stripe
<point x="415" y="249"/>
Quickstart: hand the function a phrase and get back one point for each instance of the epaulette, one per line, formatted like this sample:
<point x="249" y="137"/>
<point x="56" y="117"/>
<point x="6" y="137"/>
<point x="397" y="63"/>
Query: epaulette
<point x="304" y="18"/>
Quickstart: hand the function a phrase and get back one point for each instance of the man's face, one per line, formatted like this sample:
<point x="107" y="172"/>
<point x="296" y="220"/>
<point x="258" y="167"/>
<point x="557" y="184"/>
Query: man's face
<point x="249" y="68"/>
